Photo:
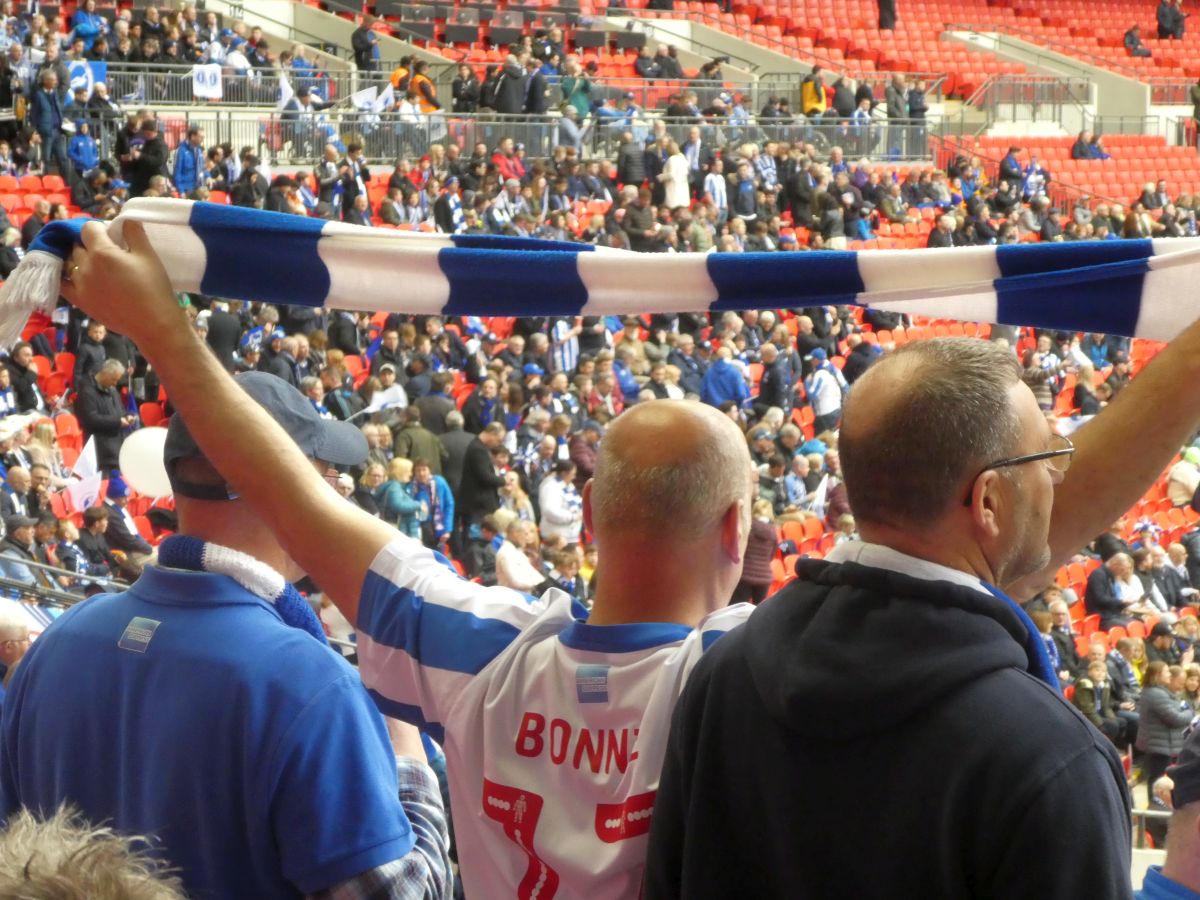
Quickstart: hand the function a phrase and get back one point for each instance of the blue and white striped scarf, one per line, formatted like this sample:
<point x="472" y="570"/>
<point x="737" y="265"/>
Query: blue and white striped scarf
<point x="1133" y="287"/>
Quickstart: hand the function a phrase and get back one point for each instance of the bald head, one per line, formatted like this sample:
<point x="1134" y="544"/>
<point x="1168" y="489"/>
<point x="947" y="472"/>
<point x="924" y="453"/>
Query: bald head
<point x="918" y="423"/>
<point x="669" y="469"/>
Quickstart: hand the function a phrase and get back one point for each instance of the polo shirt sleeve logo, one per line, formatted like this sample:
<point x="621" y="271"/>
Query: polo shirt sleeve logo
<point x="138" y="634"/>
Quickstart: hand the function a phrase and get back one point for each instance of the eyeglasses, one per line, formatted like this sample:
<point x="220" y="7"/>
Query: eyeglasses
<point x="1057" y="457"/>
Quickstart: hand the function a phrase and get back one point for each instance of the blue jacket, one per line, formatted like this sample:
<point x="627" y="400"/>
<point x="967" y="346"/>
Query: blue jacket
<point x="723" y="381"/>
<point x="82" y="152"/>
<point x="88" y="26"/>
<point x="398" y="505"/>
<point x="440" y="503"/>
<point x="189" y="166"/>
<point x="47" y="114"/>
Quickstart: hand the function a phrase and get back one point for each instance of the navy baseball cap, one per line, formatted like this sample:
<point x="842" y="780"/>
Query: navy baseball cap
<point x="328" y="440"/>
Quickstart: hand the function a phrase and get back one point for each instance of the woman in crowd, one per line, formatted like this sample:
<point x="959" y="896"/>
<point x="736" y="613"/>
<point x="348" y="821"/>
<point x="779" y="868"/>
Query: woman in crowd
<point x="760" y="550"/>
<point x="395" y="500"/>
<point x="1162" y="717"/>
<point x="1191" y="685"/>
<point x="513" y="497"/>
<point x="43" y="450"/>
<point x="364" y="494"/>
<point x="1084" y="398"/>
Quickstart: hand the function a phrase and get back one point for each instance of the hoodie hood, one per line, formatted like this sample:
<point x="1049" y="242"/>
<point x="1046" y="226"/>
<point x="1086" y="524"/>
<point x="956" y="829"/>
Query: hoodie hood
<point x="857" y="650"/>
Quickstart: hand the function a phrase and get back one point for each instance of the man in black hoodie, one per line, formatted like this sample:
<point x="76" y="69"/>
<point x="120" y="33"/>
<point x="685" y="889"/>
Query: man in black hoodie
<point x="889" y="724"/>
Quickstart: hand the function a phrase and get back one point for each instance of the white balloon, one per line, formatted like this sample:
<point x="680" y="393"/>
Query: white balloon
<point x="142" y="462"/>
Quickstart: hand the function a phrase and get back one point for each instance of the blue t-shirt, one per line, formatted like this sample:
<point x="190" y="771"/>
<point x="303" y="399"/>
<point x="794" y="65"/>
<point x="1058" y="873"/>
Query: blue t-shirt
<point x="186" y="709"/>
<point x="1158" y="886"/>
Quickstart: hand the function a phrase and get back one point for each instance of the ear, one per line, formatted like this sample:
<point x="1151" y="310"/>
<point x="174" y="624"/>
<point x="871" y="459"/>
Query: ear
<point x="987" y="503"/>
<point x="587" y="508"/>
<point x="734" y="531"/>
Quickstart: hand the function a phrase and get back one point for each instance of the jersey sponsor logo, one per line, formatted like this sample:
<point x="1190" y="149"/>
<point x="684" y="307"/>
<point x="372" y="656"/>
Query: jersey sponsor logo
<point x="518" y="810"/>
<point x="138" y="634"/>
<point x="621" y="821"/>
<point x="591" y="684"/>
<point x="599" y="749"/>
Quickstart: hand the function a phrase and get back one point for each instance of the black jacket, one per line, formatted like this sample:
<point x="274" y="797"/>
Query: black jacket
<point x="1101" y="598"/>
<point x="862" y="708"/>
<point x="224" y="331"/>
<point x="100" y="412"/>
<point x="477" y="496"/>
<point x="25" y="388"/>
<point x="118" y="535"/>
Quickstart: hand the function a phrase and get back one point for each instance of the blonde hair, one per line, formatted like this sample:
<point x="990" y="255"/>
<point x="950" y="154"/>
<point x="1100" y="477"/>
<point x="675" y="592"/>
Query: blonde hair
<point x="400" y="468"/>
<point x="66" y="858"/>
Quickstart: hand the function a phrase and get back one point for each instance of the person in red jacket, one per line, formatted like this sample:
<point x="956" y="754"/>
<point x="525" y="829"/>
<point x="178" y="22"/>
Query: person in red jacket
<point x="506" y="161"/>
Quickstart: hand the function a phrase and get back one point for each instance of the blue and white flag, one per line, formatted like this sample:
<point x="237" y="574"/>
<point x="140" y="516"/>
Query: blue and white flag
<point x="86" y="74"/>
<point x="1143" y="288"/>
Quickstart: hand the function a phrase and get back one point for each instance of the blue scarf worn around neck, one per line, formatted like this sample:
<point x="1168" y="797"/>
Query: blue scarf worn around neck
<point x="183" y="552"/>
<point x="1035" y="648"/>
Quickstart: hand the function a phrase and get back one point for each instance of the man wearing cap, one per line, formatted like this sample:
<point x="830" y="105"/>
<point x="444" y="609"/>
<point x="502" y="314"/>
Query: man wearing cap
<point x="264" y="770"/>
<point x="17" y="547"/>
<point x="122" y="533"/>
<point x="826" y="387"/>
<point x="1161" y="644"/>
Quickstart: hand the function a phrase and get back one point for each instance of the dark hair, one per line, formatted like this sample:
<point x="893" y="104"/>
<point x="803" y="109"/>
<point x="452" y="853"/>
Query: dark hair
<point x="94" y="514"/>
<point x="1153" y="673"/>
<point x="909" y="464"/>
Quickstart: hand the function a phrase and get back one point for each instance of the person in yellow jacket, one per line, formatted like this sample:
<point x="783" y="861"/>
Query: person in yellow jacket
<point x="812" y="94"/>
<point x="421" y="83"/>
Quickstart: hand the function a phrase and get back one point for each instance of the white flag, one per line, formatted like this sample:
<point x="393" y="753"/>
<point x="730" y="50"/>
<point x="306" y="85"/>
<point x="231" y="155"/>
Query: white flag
<point x="364" y="100"/>
<point x="394" y="397"/>
<point x="819" y="497"/>
<point x="87" y="465"/>
<point x="385" y="100"/>
<point x="83" y="494"/>
<point x="206" y="82"/>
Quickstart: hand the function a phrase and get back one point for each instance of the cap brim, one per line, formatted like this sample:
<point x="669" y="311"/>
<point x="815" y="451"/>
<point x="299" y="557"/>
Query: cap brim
<point x="341" y="444"/>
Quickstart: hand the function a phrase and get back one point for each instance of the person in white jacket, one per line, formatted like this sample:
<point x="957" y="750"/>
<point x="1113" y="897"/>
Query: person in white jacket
<point x="560" y="504"/>
<point x="513" y="568"/>
<point x="675" y="176"/>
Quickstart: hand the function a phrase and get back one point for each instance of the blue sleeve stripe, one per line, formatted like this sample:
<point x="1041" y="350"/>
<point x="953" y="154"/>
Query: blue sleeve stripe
<point x="240" y="251"/>
<point x="433" y="635"/>
<point x="406" y="712"/>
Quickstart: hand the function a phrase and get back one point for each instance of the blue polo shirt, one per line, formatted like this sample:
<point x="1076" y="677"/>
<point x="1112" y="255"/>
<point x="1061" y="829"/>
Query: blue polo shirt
<point x="186" y="709"/>
<point x="1158" y="886"/>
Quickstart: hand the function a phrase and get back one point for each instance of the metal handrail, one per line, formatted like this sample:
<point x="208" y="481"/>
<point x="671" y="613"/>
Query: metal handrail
<point x="1140" y="816"/>
<point x="56" y="570"/>
<point x="290" y="31"/>
<point x="1042" y="42"/>
<point x="825" y="62"/>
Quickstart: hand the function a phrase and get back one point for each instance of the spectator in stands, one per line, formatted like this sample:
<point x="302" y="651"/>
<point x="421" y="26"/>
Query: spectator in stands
<point x="1162" y="719"/>
<point x="1163" y="646"/>
<point x="942" y="236"/>
<point x="17" y="548"/>
<point x="101" y="413"/>
<point x="812" y="94"/>
<point x="1170" y="19"/>
<point x="122" y="533"/>
<point x="24" y="379"/>
<point x="1093" y="698"/>
<point x="511" y="87"/>
<point x="365" y="44"/>
<point x="464" y="90"/>
<point x="46" y="115"/>
<point x="1063" y="636"/>
<point x="148" y="158"/>
<point x="1133" y="42"/>
<point x="190" y="162"/>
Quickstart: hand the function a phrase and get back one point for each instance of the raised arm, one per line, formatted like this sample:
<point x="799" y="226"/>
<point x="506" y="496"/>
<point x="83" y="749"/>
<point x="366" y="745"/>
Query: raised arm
<point x="128" y="289"/>
<point x="1121" y="452"/>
